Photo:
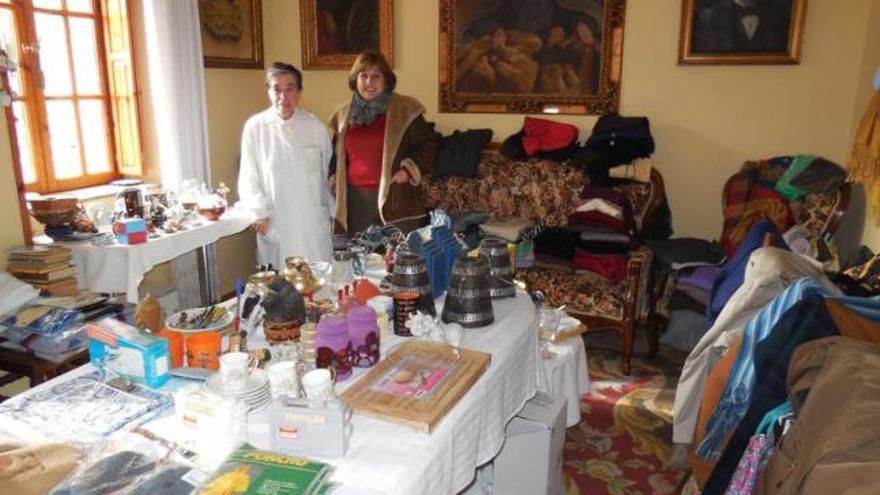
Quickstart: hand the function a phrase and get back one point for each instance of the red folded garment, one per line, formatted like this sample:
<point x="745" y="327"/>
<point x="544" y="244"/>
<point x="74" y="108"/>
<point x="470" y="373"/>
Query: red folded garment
<point x="546" y="135"/>
<point x="599" y="219"/>
<point x="611" y="267"/>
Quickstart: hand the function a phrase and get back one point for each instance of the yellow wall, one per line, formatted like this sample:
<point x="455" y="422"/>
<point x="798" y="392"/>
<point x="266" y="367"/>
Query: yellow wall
<point x="10" y="220"/>
<point x="706" y="120"/>
<point x="233" y="95"/>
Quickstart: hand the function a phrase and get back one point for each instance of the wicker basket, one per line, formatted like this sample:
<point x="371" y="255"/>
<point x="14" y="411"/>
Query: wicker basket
<point x="54" y="212"/>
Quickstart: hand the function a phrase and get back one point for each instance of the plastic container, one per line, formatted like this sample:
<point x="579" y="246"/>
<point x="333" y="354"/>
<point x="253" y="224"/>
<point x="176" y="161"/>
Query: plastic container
<point x="203" y="350"/>
<point x="333" y="346"/>
<point x="363" y="331"/>
<point x="175" y="346"/>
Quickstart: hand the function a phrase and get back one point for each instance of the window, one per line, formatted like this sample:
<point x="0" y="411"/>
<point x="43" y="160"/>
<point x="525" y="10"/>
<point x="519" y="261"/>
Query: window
<point x="75" y="98"/>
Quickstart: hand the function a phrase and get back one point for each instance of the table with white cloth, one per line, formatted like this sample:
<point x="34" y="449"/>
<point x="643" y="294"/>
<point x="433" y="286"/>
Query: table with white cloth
<point x="566" y="374"/>
<point x="390" y="458"/>
<point x="120" y="268"/>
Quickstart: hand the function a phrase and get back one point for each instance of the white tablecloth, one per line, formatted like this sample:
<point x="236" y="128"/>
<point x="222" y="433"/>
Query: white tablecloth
<point x="566" y="374"/>
<point x="121" y="268"/>
<point x="389" y="458"/>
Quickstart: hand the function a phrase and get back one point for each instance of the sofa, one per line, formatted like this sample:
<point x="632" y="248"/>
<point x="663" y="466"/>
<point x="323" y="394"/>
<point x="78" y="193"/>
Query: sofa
<point x="546" y="191"/>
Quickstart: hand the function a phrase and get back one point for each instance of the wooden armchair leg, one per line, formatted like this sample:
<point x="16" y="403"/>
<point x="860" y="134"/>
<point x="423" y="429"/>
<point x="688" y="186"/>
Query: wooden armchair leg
<point x="653" y="339"/>
<point x="626" y="352"/>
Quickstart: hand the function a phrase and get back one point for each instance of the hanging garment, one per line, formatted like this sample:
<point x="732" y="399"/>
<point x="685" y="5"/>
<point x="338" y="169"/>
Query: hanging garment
<point x="809" y="320"/>
<point x="834" y="446"/>
<point x="769" y="272"/>
<point x="737" y="392"/>
<point x="284" y="167"/>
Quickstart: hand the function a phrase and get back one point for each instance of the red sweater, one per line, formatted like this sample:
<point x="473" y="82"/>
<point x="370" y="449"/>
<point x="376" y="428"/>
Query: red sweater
<point x="363" y="151"/>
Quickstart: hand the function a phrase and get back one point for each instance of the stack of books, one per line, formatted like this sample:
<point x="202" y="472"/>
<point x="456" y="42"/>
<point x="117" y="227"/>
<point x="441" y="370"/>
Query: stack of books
<point x="47" y="268"/>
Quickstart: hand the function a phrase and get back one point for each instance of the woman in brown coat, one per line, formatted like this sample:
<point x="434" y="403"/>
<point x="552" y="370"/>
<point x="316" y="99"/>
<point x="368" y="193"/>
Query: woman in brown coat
<point x="383" y="147"/>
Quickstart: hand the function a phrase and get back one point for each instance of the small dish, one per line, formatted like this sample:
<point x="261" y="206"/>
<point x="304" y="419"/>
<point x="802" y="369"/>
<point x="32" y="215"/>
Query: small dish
<point x="197" y="320"/>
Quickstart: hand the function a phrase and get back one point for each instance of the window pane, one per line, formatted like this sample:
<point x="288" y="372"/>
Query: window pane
<point x="53" y="54"/>
<point x="79" y="5"/>
<point x="85" y="56"/>
<point x="24" y="143"/>
<point x="62" y="132"/>
<point x="48" y="4"/>
<point x="9" y="38"/>
<point x="92" y="116"/>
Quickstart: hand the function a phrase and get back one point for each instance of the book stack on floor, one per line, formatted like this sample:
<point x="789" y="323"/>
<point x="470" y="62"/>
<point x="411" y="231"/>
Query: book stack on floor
<point x="47" y="268"/>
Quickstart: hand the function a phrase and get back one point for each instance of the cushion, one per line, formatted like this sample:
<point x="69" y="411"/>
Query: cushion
<point x="461" y="152"/>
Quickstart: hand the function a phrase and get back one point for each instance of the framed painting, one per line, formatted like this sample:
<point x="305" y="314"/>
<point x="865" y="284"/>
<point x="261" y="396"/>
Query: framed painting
<point x="531" y="56"/>
<point x="232" y="33"/>
<point x="334" y="32"/>
<point x="741" y="31"/>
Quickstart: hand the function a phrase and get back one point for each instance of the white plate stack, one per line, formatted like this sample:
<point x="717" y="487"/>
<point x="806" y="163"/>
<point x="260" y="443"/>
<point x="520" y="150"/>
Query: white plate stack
<point x="256" y="395"/>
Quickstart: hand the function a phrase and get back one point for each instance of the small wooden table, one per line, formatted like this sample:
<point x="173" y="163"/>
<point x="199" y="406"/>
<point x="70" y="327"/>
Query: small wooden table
<point x="20" y="364"/>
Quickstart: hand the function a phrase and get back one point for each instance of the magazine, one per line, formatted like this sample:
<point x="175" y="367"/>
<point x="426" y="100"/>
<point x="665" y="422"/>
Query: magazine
<point x="249" y="471"/>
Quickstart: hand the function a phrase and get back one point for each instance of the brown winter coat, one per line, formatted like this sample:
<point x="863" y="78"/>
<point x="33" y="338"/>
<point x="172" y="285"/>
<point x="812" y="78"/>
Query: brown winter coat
<point x="410" y="142"/>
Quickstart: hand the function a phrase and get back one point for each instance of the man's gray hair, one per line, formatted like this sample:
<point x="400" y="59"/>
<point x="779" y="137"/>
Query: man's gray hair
<point x="279" y="68"/>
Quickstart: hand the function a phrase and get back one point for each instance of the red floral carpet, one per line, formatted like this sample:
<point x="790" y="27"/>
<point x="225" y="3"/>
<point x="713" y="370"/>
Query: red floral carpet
<point x="623" y="442"/>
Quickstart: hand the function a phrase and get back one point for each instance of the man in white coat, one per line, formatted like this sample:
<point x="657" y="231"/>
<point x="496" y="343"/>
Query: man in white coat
<point x="285" y="155"/>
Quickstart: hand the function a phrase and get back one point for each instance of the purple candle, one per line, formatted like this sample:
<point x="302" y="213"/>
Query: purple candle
<point x="364" y="333"/>
<point x="334" y="346"/>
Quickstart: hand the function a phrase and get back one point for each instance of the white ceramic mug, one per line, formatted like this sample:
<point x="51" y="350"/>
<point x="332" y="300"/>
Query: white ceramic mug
<point x="234" y="370"/>
<point x="283" y="379"/>
<point x="318" y="384"/>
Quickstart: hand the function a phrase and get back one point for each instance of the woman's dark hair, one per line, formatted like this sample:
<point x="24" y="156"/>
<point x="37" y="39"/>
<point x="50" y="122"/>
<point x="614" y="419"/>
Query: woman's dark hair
<point x="367" y="60"/>
<point x="278" y="68"/>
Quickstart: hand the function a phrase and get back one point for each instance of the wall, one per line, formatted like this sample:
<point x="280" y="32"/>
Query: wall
<point x="706" y="120"/>
<point x="10" y="221"/>
<point x="233" y="95"/>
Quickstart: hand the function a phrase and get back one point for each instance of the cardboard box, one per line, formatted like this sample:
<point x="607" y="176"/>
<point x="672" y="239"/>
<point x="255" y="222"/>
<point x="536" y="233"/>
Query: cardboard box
<point x="530" y="463"/>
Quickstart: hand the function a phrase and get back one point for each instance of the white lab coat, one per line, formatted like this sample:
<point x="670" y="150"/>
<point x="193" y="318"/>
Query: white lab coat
<point x="283" y="176"/>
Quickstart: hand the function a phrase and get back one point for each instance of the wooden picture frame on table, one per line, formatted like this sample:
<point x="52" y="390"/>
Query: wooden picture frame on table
<point x="232" y="33"/>
<point x="334" y="32"/>
<point x="741" y="32"/>
<point x="534" y="56"/>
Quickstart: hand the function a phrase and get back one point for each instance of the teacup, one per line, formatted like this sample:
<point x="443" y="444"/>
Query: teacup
<point x="234" y="370"/>
<point x="318" y="384"/>
<point x="283" y="379"/>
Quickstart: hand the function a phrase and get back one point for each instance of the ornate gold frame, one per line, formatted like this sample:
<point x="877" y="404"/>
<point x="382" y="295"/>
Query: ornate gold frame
<point x="255" y="59"/>
<point x="312" y="60"/>
<point x="606" y="100"/>
<point x="792" y="55"/>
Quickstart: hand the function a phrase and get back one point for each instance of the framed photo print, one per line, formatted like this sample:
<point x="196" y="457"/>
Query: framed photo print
<point x="232" y="33"/>
<point x="741" y="31"/>
<point x="531" y="56"/>
<point x="334" y="32"/>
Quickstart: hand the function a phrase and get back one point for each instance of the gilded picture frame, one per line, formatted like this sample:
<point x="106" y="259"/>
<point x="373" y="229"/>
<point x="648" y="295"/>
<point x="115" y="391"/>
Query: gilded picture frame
<point x="531" y="56"/>
<point x="232" y="33"/>
<point x="741" y="32"/>
<point x="334" y="32"/>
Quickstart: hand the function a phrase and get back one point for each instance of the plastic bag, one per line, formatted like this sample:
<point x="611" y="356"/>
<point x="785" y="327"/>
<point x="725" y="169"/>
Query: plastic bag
<point x="129" y="464"/>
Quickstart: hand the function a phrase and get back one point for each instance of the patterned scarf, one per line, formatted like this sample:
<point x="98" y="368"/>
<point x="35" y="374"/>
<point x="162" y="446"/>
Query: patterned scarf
<point x="364" y="112"/>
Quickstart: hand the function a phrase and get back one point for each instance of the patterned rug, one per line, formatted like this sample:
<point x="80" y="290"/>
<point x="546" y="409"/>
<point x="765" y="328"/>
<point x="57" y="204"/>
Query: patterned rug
<point x="623" y="442"/>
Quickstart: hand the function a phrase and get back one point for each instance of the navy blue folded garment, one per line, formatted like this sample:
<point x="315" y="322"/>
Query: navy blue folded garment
<point x="615" y="128"/>
<point x="460" y="153"/>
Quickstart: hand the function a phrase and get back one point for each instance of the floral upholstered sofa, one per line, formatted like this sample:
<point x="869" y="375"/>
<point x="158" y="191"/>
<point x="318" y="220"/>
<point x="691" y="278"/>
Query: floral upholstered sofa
<point x="547" y="191"/>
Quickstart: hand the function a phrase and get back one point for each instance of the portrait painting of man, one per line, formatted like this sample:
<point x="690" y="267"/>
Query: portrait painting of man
<point x="741" y="31"/>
